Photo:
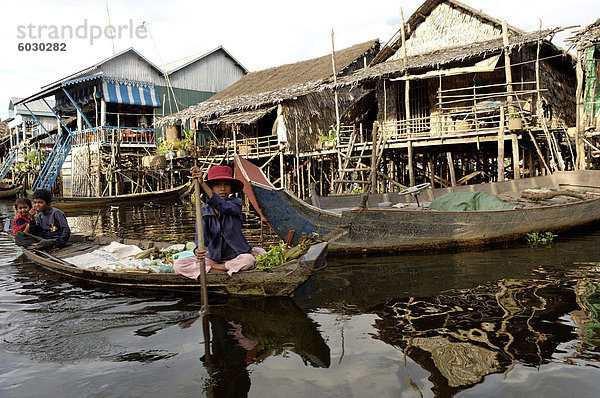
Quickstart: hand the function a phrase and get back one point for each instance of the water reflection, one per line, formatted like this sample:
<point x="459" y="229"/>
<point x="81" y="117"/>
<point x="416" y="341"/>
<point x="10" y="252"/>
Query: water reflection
<point x="462" y="335"/>
<point x="239" y="333"/>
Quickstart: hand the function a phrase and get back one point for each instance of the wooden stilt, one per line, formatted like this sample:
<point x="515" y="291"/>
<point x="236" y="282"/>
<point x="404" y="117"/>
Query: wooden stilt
<point x="451" y="168"/>
<point x="515" y="159"/>
<point x="501" y="147"/>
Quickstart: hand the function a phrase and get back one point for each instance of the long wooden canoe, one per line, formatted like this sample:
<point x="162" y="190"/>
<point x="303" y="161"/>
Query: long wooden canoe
<point x="279" y="281"/>
<point x="352" y="228"/>
<point x="105" y="201"/>
<point x="10" y="192"/>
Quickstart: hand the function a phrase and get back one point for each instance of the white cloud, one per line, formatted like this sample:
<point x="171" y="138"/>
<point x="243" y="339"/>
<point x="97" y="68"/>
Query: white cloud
<point x="260" y="34"/>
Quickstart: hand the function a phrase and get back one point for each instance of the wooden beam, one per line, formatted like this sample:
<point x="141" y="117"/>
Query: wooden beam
<point x="579" y="148"/>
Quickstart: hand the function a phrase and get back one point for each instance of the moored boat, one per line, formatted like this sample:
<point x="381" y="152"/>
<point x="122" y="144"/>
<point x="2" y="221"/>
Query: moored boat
<point x="402" y="223"/>
<point x="9" y="192"/>
<point x="105" y="201"/>
<point x="278" y="281"/>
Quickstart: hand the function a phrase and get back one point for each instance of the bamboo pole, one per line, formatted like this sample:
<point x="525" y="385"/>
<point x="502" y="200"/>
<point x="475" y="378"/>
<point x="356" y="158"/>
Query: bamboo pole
<point x="507" y="68"/>
<point x="516" y="159"/>
<point x="374" y="159"/>
<point x="580" y="149"/>
<point x="200" y="234"/>
<point x="451" y="168"/>
<point x="411" y="168"/>
<point x="501" y="147"/>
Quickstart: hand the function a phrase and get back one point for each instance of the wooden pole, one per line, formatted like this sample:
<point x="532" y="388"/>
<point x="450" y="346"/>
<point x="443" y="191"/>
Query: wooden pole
<point x="579" y="148"/>
<point x="451" y="168"/>
<point x="516" y="159"/>
<point x="507" y="68"/>
<point x="200" y="236"/>
<point x="538" y="105"/>
<point x="374" y="159"/>
<point x="501" y="147"/>
<point x="411" y="167"/>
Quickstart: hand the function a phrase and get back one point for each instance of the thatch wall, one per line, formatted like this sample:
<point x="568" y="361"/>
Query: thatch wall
<point x="423" y="13"/>
<point x="557" y="79"/>
<point x="448" y="26"/>
<point x="313" y="113"/>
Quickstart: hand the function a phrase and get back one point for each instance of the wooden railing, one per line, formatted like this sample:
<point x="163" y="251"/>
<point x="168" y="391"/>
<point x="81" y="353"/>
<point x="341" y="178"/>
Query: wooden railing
<point x="134" y="136"/>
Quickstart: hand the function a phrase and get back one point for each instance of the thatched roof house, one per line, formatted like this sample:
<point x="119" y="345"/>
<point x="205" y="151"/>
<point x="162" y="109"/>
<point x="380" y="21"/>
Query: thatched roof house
<point x="445" y="38"/>
<point x="253" y="101"/>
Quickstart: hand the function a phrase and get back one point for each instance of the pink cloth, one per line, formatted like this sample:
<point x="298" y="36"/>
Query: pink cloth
<point x="190" y="266"/>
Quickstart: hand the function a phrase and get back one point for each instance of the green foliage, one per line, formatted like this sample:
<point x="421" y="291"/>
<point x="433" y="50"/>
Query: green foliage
<point x="273" y="258"/>
<point x="187" y="143"/>
<point x="514" y="115"/>
<point x="31" y="161"/>
<point x="540" y="238"/>
<point x="328" y="138"/>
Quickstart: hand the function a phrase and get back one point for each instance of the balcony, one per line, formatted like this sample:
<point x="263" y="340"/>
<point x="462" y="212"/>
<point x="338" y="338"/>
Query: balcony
<point x="124" y="136"/>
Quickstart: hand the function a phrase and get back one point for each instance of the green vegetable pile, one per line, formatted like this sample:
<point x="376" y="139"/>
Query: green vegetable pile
<point x="280" y="254"/>
<point x="166" y="256"/>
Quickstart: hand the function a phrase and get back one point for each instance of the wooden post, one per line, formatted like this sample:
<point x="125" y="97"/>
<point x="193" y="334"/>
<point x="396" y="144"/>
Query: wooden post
<point x="411" y="168"/>
<point x="501" y="147"/>
<point x="374" y="159"/>
<point x="335" y="91"/>
<point x="516" y="160"/>
<point x="507" y="68"/>
<point x="431" y="170"/>
<point x="281" y="166"/>
<point x="579" y="147"/>
<point x="538" y="105"/>
<point x="451" y="168"/>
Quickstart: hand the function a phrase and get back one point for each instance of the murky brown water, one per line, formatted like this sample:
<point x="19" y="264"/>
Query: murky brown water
<point x="504" y="321"/>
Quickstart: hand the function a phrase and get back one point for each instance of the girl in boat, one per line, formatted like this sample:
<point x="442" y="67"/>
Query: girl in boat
<point x="23" y="207"/>
<point x="227" y="249"/>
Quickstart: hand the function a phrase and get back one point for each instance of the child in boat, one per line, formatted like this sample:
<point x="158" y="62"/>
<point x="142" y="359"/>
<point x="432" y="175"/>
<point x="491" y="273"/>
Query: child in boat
<point x="227" y="249"/>
<point x="21" y="222"/>
<point x="48" y="229"/>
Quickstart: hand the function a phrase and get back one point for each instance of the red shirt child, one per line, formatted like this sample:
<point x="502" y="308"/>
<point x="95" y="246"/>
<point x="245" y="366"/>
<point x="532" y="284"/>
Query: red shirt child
<point x="21" y="222"/>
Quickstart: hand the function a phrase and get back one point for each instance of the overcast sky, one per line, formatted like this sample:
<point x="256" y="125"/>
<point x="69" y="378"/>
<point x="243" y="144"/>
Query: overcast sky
<point x="259" y="34"/>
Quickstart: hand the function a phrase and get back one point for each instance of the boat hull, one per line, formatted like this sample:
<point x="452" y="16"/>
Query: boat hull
<point x="105" y="201"/>
<point x="280" y="281"/>
<point x="390" y="229"/>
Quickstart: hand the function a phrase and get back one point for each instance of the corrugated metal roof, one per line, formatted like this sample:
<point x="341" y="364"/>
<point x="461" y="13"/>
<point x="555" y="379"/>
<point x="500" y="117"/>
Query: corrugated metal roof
<point x="37" y="107"/>
<point x="174" y="66"/>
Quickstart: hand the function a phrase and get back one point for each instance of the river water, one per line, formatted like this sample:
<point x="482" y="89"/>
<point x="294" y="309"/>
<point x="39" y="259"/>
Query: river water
<point x="508" y="321"/>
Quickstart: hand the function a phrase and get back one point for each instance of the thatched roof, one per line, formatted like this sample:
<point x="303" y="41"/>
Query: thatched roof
<point x="274" y="85"/>
<point x="587" y="36"/>
<point x="419" y="17"/>
<point x="441" y="57"/>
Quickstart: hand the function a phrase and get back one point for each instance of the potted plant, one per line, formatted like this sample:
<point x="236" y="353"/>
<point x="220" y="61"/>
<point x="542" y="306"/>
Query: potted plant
<point x="514" y="121"/>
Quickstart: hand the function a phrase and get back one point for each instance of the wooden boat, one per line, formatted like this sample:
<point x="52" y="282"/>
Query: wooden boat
<point x="9" y="192"/>
<point x="105" y="201"/>
<point x="279" y="281"/>
<point x="350" y="227"/>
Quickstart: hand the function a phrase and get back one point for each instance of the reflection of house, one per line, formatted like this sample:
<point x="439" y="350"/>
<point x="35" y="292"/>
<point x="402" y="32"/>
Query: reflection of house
<point x="587" y="42"/>
<point x="461" y="336"/>
<point x="114" y="103"/>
